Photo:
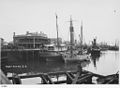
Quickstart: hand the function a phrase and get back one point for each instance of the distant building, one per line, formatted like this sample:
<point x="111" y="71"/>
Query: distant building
<point x="31" y="40"/>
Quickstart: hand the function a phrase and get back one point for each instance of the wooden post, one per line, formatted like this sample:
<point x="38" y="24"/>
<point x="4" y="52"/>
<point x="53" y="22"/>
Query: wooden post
<point x="57" y="76"/>
<point x="49" y="79"/>
<point x="44" y="79"/>
<point x="89" y="80"/>
<point x="79" y="72"/>
<point x="79" y="69"/>
<point x="16" y="79"/>
<point x="74" y="81"/>
<point x="69" y="78"/>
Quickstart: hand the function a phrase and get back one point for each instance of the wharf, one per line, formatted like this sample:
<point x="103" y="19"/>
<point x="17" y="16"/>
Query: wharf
<point x="71" y="78"/>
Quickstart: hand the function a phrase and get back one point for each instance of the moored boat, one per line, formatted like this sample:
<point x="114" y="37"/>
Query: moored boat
<point x="95" y="50"/>
<point x="72" y="54"/>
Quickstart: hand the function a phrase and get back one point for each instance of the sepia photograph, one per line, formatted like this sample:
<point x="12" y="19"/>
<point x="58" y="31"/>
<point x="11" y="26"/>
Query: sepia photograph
<point x="65" y="42"/>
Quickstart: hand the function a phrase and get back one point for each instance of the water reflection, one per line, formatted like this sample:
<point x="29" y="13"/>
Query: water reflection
<point x="106" y="64"/>
<point x="95" y="59"/>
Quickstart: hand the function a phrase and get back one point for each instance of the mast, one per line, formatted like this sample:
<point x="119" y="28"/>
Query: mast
<point x="14" y="38"/>
<point x="57" y="30"/>
<point x="81" y="37"/>
<point x="71" y="37"/>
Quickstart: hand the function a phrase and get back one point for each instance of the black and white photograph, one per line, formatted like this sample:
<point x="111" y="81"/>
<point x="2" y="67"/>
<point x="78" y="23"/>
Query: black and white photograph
<point x="59" y="42"/>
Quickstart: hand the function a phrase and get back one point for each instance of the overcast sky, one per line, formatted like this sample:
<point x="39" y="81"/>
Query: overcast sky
<point x="100" y="18"/>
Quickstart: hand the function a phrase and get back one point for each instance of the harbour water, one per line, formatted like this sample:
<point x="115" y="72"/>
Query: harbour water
<point x="105" y="64"/>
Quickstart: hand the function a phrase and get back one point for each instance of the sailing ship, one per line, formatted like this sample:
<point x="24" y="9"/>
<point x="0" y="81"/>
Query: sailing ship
<point x="72" y="55"/>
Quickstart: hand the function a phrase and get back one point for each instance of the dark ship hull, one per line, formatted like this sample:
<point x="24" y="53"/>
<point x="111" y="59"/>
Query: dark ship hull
<point x="25" y="56"/>
<point x="51" y="58"/>
<point x="95" y="49"/>
<point x="95" y="52"/>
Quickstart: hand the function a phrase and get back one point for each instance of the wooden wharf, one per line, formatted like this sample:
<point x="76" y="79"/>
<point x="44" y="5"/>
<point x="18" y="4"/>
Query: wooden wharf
<point x="85" y="78"/>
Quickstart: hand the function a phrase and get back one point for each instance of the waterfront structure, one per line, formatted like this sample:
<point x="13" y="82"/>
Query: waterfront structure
<point x="71" y="77"/>
<point x="31" y="40"/>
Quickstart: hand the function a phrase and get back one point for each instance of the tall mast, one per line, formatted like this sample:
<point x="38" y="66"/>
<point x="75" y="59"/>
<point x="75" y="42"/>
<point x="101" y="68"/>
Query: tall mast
<point x="57" y="30"/>
<point x="81" y="37"/>
<point x="71" y="37"/>
<point x="71" y="32"/>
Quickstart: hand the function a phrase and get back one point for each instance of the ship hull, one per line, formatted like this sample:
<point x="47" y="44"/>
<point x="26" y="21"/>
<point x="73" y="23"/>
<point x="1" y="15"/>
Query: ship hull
<point x="51" y="58"/>
<point x="77" y="58"/>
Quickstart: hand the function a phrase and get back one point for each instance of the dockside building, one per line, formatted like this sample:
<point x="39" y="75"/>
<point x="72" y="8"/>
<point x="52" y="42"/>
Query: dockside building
<point x="30" y="40"/>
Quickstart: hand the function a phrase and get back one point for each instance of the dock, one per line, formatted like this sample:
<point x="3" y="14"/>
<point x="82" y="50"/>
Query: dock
<point x="71" y="77"/>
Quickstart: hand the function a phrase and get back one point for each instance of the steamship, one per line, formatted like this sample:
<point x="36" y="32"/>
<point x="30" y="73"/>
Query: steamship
<point x="95" y="50"/>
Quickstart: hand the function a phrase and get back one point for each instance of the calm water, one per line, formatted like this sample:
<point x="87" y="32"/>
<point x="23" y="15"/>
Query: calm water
<point x="107" y="63"/>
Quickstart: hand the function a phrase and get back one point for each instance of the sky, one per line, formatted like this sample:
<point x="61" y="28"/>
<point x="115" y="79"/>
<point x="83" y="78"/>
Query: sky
<point x="100" y="18"/>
